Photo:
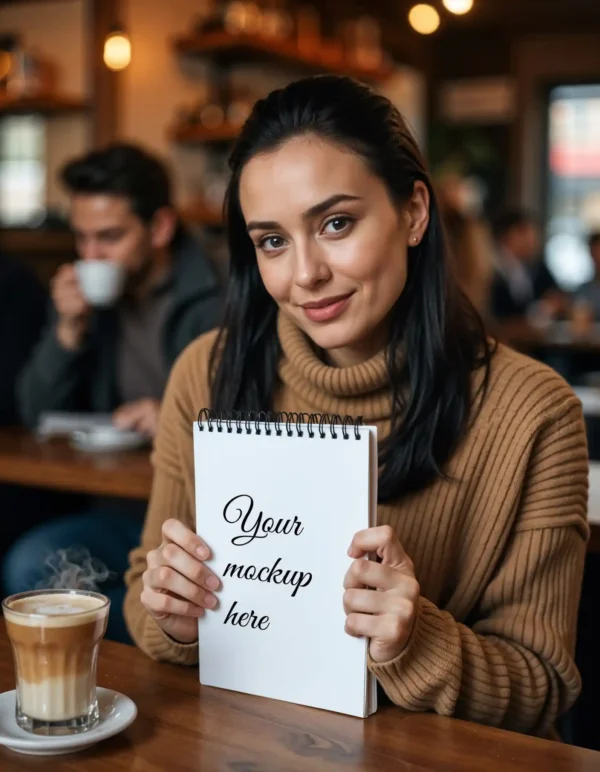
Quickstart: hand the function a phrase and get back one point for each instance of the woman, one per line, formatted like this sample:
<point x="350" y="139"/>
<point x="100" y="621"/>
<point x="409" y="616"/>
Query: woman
<point x="340" y="301"/>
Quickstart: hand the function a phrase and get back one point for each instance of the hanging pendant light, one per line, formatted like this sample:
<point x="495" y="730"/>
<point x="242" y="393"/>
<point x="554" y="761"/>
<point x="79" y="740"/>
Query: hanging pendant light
<point x="117" y="49"/>
<point x="424" y="18"/>
<point x="459" y="7"/>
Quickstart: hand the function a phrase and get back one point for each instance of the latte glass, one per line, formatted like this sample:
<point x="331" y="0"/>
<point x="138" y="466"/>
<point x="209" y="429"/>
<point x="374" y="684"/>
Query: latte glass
<point x="55" y="637"/>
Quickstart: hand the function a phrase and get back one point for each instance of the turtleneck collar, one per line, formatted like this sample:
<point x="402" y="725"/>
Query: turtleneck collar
<point x="362" y="389"/>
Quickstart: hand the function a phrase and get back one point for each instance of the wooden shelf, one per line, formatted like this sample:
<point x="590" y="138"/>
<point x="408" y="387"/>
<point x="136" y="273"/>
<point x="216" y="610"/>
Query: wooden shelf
<point x="48" y="104"/>
<point x="223" y="47"/>
<point x="202" y="214"/>
<point x="196" y="135"/>
<point x="36" y="240"/>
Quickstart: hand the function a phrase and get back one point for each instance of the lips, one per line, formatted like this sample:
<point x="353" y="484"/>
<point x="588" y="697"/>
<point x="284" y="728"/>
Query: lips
<point x="325" y="302"/>
<point x="326" y="309"/>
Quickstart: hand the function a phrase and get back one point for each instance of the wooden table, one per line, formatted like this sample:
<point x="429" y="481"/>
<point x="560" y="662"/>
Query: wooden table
<point x="183" y="727"/>
<point x="557" y="337"/>
<point x="54" y="464"/>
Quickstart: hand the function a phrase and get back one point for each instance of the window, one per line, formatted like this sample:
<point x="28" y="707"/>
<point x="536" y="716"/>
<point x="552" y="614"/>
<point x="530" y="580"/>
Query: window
<point x="22" y="170"/>
<point x="573" y="197"/>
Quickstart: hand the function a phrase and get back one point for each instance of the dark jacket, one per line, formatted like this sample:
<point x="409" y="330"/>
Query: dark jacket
<point x="22" y="316"/>
<point x="504" y="305"/>
<point x="86" y="379"/>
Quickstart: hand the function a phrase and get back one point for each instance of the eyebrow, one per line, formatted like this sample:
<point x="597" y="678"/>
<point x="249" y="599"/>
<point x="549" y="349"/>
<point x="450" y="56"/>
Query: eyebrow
<point x="102" y="234"/>
<point x="315" y="210"/>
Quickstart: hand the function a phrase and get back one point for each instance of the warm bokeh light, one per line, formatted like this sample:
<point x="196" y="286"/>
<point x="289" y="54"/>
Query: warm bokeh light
<point x="117" y="51"/>
<point x="424" y="18"/>
<point x="458" y="6"/>
<point x="5" y="64"/>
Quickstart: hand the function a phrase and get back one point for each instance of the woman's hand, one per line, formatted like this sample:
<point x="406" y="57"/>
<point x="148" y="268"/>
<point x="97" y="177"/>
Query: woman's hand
<point x="178" y="586"/>
<point x="385" y="614"/>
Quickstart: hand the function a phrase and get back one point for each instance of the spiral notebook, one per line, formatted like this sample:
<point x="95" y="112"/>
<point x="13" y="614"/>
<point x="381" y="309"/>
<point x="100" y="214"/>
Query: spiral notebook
<point x="278" y="500"/>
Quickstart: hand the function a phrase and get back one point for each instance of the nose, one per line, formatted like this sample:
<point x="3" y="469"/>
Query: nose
<point x="311" y="268"/>
<point x="90" y="249"/>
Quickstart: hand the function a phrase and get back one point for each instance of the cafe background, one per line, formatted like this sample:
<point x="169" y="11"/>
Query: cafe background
<point x="504" y="97"/>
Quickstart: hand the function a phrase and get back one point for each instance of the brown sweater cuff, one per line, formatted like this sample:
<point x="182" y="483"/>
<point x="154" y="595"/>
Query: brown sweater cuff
<point x="427" y="661"/>
<point x="161" y="646"/>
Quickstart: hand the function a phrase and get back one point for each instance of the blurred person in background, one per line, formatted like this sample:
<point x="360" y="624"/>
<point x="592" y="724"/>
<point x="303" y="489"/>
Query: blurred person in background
<point x="22" y="314"/>
<point x="470" y="241"/>
<point x="117" y="359"/>
<point x="522" y="288"/>
<point x="587" y="300"/>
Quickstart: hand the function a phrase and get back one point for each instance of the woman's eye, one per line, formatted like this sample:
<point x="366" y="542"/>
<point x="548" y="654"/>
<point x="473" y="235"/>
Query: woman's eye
<point x="271" y="243"/>
<point x="338" y="225"/>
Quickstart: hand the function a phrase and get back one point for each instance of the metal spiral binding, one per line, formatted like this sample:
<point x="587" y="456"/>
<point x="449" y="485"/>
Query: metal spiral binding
<point x="286" y="424"/>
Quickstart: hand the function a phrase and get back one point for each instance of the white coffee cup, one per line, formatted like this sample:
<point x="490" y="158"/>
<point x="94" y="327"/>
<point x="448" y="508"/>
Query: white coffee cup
<point x="101" y="281"/>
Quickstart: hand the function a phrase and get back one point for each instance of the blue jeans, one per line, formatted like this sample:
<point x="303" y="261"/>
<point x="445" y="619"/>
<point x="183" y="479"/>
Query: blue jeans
<point x="108" y="533"/>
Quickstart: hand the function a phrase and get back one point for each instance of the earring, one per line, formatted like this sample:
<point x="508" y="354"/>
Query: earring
<point x="415" y="240"/>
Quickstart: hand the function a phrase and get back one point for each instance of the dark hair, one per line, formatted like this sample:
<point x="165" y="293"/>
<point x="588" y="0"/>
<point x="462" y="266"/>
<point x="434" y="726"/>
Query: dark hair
<point x="436" y="339"/>
<point x="514" y="217"/>
<point x="593" y="239"/>
<point x="122" y="170"/>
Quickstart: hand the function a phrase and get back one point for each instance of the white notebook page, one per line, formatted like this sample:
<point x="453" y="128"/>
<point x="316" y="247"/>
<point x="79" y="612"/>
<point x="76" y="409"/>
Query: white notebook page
<point x="321" y="492"/>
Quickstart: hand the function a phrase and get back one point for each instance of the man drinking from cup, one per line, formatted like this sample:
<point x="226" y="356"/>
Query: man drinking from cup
<point x="141" y="291"/>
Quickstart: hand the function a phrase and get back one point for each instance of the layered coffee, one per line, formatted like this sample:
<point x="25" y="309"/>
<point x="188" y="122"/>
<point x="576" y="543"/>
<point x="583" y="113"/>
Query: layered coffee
<point x="55" y="637"/>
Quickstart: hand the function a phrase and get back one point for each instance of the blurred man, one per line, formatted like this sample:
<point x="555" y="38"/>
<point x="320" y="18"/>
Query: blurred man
<point x="589" y="294"/>
<point x="100" y="360"/>
<point x="116" y="359"/>
<point x="521" y="279"/>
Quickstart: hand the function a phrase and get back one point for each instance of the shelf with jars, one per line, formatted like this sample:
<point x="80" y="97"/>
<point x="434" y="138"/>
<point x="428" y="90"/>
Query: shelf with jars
<point x="28" y="81"/>
<point x="224" y="47"/>
<point x="228" y="33"/>
<point x="47" y="104"/>
<point x="214" y="118"/>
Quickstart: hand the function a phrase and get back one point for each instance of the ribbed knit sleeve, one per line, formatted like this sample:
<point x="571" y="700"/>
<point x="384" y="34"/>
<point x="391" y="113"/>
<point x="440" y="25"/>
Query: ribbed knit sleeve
<point x="512" y="666"/>
<point x="169" y="499"/>
<point x="172" y="494"/>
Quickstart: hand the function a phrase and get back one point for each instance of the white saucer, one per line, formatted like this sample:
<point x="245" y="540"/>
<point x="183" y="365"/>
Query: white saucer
<point x="117" y="712"/>
<point x="105" y="439"/>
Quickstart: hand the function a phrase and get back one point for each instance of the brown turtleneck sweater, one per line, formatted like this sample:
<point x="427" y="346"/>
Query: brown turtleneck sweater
<point x="498" y="547"/>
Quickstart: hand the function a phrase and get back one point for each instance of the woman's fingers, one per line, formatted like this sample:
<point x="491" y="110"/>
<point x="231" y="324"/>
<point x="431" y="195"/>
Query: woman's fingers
<point x="386" y="627"/>
<point x="167" y="579"/>
<point x="160" y="605"/>
<point x="387" y="613"/>
<point x="176" y="582"/>
<point x="381" y="540"/>
<point x="175" y="531"/>
<point x="373" y="602"/>
<point x="362" y="625"/>
<point x="364" y="601"/>
<point x="367" y="573"/>
<point x="176" y="557"/>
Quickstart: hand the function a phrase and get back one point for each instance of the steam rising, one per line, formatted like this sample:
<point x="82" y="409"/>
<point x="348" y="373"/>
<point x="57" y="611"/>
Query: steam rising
<point x="73" y="568"/>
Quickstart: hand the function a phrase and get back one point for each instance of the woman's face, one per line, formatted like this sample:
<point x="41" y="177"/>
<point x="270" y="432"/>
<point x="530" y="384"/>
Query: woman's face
<point x="331" y="245"/>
